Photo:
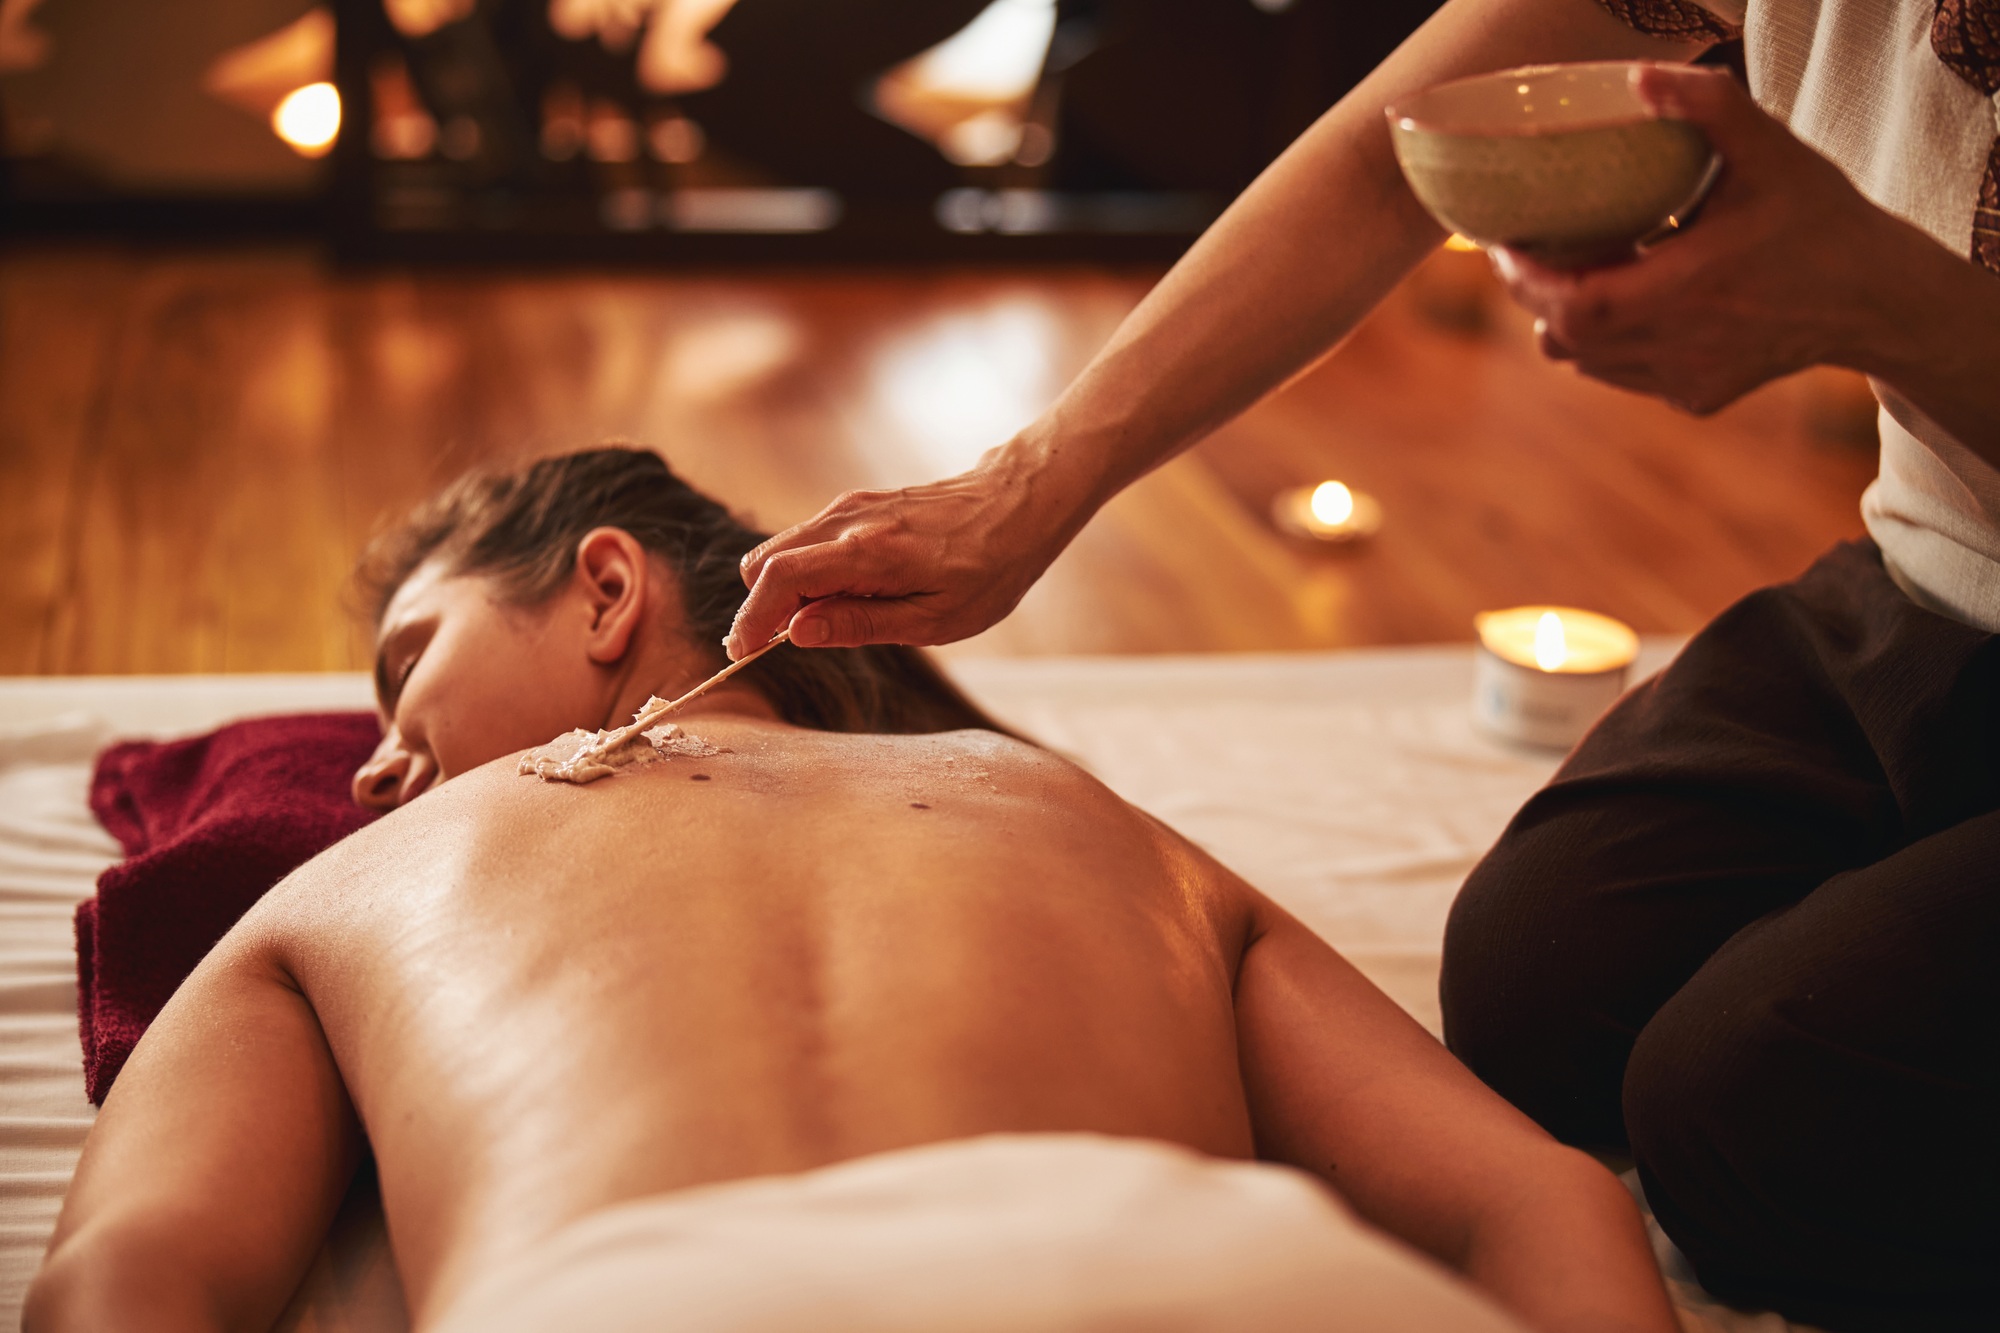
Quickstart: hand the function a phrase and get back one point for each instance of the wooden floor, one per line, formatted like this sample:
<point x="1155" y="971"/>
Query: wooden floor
<point x="193" y="445"/>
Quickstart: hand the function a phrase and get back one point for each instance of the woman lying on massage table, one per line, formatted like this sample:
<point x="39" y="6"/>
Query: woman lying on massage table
<point x="868" y="923"/>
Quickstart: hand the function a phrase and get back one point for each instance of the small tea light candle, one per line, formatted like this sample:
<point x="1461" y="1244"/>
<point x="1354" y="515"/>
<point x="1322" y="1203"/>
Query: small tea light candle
<point x="1544" y="674"/>
<point x="1328" y="512"/>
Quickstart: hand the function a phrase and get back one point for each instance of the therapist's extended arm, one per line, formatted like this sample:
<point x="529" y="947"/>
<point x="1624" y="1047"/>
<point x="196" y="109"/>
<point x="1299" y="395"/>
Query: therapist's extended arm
<point x="1284" y="274"/>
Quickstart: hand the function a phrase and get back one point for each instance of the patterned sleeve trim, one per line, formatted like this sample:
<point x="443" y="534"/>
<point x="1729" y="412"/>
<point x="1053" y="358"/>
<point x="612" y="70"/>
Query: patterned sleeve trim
<point x="1986" y="215"/>
<point x="1966" y="37"/>
<point x="1673" y="18"/>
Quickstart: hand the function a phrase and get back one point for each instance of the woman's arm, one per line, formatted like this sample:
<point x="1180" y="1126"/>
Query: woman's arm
<point x="1344" y="1084"/>
<point x="1788" y="266"/>
<point x="1284" y="274"/>
<point x="210" y="1178"/>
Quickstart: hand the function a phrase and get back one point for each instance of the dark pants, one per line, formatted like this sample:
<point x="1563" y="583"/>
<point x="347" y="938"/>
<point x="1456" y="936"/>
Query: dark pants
<point x="1751" y="933"/>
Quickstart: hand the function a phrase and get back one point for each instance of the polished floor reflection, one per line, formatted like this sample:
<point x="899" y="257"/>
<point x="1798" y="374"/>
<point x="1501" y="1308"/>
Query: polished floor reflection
<point x="192" y="446"/>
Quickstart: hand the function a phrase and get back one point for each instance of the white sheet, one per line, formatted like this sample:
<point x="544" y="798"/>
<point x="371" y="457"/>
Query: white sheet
<point x="1349" y="786"/>
<point x="1055" y="1233"/>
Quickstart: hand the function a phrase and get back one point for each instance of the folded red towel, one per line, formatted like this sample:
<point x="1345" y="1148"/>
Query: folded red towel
<point x="208" y="824"/>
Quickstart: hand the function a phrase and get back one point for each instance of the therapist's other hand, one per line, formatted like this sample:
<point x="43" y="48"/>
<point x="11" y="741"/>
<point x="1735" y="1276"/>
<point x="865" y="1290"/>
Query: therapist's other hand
<point x="1781" y="270"/>
<point x="928" y="564"/>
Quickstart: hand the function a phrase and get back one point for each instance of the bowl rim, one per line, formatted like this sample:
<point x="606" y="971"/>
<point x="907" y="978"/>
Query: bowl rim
<point x="1401" y="117"/>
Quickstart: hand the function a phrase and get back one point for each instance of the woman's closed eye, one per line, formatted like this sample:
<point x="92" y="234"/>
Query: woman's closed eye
<point x="401" y="676"/>
<point x="397" y="658"/>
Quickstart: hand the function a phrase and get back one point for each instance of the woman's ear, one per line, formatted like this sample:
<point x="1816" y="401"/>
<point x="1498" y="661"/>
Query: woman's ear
<point x="614" y="578"/>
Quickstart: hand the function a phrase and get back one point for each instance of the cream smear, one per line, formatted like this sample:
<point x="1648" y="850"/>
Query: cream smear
<point x="585" y="756"/>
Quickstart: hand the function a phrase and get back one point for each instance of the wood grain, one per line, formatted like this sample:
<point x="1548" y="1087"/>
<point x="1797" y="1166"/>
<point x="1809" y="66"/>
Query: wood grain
<point x="60" y="328"/>
<point x="193" y="445"/>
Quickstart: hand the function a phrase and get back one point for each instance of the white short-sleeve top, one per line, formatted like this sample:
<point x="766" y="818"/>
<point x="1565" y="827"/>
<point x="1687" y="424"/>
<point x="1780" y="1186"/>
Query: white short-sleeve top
<point x="1860" y="82"/>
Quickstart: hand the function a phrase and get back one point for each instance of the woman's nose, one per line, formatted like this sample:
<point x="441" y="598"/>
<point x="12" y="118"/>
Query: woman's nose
<point x="393" y="775"/>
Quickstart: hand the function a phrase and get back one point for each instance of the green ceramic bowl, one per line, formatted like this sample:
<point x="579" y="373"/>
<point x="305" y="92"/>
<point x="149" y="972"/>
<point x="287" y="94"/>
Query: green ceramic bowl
<point x="1561" y="162"/>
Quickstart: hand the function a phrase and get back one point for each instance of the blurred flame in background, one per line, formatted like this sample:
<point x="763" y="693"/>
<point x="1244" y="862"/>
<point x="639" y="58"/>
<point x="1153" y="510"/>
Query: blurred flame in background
<point x="285" y="76"/>
<point x="969" y="94"/>
<point x="996" y="57"/>
<point x="309" y="119"/>
<point x="675" y="55"/>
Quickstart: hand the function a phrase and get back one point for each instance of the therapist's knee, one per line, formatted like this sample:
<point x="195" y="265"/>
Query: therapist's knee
<point x="1522" y="992"/>
<point x="1798" y="1174"/>
<point x="1701" y="1129"/>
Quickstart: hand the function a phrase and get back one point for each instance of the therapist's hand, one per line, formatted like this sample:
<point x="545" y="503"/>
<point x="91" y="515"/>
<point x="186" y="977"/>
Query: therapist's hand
<point x="926" y="565"/>
<point x="1786" y="266"/>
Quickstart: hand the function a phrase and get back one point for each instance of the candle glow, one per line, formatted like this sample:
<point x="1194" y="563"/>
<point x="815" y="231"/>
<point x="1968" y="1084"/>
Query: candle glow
<point x="1544" y="674"/>
<point x="1558" y="640"/>
<point x="1332" y="503"/>
<point x="1551" y="648"/>
<point x="1331" y="511"/>
<point x="309" y="119"/>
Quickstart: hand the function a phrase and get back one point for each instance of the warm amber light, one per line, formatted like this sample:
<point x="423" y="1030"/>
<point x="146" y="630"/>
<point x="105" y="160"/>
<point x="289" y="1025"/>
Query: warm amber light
<point x="1551" y="650"/>
<point x="1558" y="639"/>
<point x="1457" y="242"/>
<point x="1332" y="503"/>
<point x="1328" y="512"/>
<point x="309" y="119"/>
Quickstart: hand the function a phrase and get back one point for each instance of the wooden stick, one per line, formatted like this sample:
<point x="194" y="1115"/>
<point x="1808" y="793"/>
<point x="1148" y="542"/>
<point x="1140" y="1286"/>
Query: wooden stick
<point x="652" y="713"/>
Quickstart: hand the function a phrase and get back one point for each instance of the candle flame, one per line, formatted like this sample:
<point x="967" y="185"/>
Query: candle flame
<point x="1551" y="647"/>
<point x="1332" y="503"/>
<point x="309" y="118"/>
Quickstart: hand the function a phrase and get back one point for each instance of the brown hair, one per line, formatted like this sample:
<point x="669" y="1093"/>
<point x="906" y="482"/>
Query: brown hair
<point x="522" y="529"/>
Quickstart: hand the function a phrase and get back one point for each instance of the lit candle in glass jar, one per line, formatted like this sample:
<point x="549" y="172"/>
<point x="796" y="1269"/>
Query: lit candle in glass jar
<point x="1544" y="674"/>
<point x="1330" y="512"/>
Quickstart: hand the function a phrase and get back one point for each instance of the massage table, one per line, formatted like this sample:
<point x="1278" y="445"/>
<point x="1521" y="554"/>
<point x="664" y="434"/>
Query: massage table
<point x="1350" y="786"/>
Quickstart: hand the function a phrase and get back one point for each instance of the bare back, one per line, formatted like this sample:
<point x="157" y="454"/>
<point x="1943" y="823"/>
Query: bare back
<point x="544" y="999"/>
